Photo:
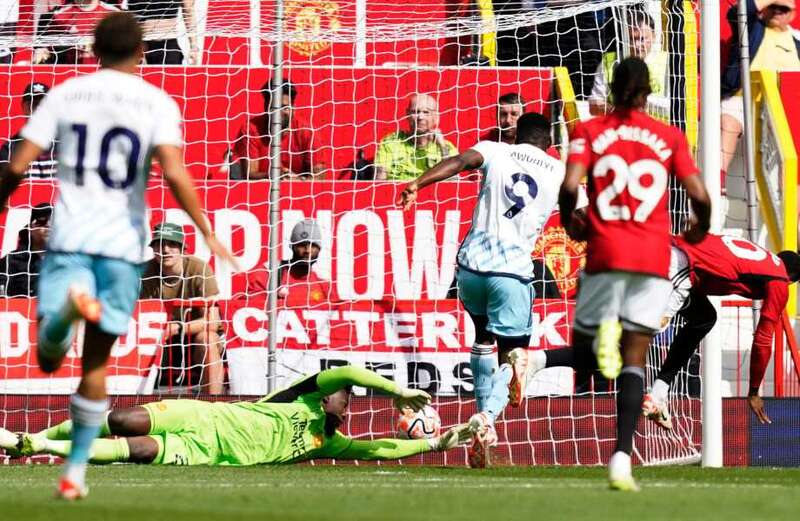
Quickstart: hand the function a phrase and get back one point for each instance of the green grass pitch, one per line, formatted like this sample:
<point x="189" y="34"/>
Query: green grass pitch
<point x="380" y="493"/>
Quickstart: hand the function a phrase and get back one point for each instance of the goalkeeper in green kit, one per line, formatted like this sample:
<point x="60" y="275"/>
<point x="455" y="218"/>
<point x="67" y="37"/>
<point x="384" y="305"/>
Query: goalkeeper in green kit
<point x="296" y="424"/>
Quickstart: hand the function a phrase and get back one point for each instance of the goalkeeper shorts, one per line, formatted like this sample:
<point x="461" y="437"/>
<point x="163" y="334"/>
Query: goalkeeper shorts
<point x="185" y="431"/>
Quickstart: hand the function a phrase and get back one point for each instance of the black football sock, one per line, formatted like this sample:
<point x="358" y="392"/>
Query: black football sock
<point x="630" y="390"/>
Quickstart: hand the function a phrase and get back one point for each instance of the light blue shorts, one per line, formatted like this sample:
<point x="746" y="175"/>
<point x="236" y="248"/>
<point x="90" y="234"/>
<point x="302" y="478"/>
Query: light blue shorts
<point x="505" y="301"/>
<point x="114" y="282"/>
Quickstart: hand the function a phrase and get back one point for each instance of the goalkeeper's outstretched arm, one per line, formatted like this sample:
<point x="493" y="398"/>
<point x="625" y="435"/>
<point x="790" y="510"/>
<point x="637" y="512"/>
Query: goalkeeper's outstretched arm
<point x="390" y="448"/>
<point x="332" y="380"/>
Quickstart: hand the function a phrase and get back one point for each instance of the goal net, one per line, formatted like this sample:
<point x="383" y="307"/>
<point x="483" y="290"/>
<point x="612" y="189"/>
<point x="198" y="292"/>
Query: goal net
<point x="365" y="78"/>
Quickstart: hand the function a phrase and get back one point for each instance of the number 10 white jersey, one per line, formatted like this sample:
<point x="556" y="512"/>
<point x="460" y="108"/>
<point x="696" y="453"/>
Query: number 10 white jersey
<point x="518" y="194"/>
<point x="106" y="125"/>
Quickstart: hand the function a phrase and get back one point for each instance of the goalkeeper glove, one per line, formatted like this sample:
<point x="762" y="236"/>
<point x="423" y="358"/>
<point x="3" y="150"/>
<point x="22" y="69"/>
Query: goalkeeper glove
<point x="413" y="399"/>
<point x="455" y="436"/>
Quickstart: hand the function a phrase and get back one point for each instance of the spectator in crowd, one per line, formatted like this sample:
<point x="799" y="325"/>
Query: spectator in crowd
<point x="571" y="40"/>
<point x="173" y="275"/>
<point x="252" y="146"/>
<point x="510" y="107"/>
<point x="19" y="270"/>
<point x="406" y="155"/>
<point x="641" y="35"/>
<point x="772" y="47"/>
<point x="159" y="18"/>
<point x="44" y="165"/>
<point x="76" y="19"/>
<point x="299" y="286"/>
<point x="9" y="16"/>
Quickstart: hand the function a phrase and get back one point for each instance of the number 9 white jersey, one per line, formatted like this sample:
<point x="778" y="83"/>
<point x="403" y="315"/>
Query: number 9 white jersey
<point x="106" y="125"/>
<point x="519" y="192"/>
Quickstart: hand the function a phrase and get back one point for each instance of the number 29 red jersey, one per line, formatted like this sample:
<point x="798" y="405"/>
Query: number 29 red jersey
<point x="629" y="157"/>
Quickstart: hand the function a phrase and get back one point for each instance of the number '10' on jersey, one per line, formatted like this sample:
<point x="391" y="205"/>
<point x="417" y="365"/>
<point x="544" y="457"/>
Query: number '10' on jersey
<point x="106" y="125"/>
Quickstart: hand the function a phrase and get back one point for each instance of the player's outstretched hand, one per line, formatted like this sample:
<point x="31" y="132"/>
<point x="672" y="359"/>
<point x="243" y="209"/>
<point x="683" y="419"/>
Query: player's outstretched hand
<point x="407" y="196"/>
<point x="455" y="436"/>
<point x="221" y="252"/>
<point x="414" y="399"/>
<point x="756" y="403"/>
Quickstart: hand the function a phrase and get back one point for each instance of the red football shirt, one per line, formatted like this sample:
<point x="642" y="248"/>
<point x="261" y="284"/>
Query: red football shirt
<point x="629" y="157"/>
<point x="307" y="292"/>
<point x="253" y="143"/>
<point x="724" y="265"/>
<point x="75" y="20"/>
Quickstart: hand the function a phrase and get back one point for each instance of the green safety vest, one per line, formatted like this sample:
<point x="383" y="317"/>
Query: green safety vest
<point x="657" y="63"/>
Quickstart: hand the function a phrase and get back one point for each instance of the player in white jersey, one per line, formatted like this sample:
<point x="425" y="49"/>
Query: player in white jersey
<point x="519" y="191"/>
<point x="108" y="125"/>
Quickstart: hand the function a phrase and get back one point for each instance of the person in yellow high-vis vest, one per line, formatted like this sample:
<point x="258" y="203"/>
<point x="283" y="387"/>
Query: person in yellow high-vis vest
<point x="641" y="37"/>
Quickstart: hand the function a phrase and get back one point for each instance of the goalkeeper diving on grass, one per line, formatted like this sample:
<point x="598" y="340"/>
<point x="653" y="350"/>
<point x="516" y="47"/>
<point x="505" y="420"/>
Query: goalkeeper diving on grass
<point x="296" y="424"/>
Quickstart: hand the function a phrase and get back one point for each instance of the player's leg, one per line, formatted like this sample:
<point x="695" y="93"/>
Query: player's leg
<point x="630" y="390"/>
<point x="482" y="360"/>
<point x="644" y="302"/>
<point x="87" y="410"/>
<point x="699" y="318"/>
<point x="117" y="285"/>
<point x="64" y="293"/>
<point x="511" y="320"/>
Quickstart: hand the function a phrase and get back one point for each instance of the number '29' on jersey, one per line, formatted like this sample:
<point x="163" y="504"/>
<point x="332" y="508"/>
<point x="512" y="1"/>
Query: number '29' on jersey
<point x="629" y="157"/>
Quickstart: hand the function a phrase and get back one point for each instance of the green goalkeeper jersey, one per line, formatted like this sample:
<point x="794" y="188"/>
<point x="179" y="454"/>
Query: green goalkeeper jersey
<point x="289" y="426"/>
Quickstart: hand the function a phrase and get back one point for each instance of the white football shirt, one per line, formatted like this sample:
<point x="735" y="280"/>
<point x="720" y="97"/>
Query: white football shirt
<point x="106" y="124"/>
<point x="518" y="193"/>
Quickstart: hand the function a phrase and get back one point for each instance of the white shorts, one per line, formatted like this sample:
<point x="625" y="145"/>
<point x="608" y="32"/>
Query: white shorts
<point x="734" y="107"/>
<point x="681" y="285"/>
<point x="637" y="300"/>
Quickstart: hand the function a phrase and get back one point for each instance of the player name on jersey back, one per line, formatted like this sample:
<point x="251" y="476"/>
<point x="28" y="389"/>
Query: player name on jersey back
<point x="629" y="158"/>
<point x="107" y="124"/>
<point x="519" y="191"/>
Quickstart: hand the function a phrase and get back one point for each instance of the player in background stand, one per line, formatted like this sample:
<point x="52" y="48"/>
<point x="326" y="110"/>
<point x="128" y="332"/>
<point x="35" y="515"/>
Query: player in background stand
<point x="628" y="158"/>
<point x="519" y="191"/>
<point x="108" y="125"/>
<point x="719" y="266"/>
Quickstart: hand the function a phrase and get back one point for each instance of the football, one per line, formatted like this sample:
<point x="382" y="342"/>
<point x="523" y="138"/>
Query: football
<point x="424" y="423"/>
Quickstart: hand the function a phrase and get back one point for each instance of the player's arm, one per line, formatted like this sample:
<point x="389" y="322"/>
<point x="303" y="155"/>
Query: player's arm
<point x="776" y="296"/>
<point x="568" y="200"/>
<point x="467" y="160"/>
<point x="332" y="380"/>
<point x="701" y="206"/>
<point x="12" y="174"/>
<point x="180" y="183"/>
<point x="391" y="448"/>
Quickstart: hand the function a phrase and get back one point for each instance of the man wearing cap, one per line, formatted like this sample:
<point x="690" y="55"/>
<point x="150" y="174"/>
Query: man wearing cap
<point x="299" y="286"/>
<point x="252" y="146"/>
<point x="173" y="275"/>
<point x="19" y="270"/>
<point x="45" y="164"/>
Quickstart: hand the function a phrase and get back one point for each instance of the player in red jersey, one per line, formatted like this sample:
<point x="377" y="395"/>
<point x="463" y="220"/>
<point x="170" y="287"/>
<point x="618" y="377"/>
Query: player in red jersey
<point x="628" y="158"/>
<point x="718" y="266"/>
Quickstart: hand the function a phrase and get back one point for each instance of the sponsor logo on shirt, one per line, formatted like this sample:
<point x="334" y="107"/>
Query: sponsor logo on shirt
<point x="299" y="426"/>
